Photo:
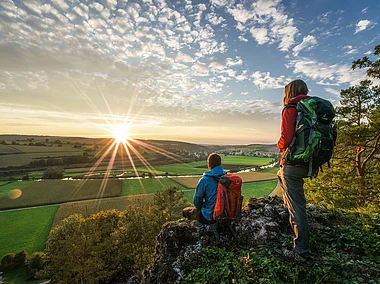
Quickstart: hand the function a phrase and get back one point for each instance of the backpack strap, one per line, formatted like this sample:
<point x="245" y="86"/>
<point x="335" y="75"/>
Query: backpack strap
<point x="214" y="178"/>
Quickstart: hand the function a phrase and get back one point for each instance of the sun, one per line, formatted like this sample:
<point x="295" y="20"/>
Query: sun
<point x="120" y="132"/>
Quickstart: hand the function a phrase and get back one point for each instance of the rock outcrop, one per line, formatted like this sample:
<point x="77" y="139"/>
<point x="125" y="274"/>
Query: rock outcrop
<point x="263" y="220"/>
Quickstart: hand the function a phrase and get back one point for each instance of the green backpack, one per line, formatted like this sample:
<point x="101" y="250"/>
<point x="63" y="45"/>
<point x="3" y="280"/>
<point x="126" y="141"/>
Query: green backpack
<point x="315" y="135"/>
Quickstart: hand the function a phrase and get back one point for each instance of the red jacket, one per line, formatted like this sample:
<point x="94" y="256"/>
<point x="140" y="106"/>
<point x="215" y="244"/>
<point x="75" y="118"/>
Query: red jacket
<point x="288" y="124"/>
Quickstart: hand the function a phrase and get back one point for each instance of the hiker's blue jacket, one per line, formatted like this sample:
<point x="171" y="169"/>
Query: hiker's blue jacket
<point x="205" y="193"/>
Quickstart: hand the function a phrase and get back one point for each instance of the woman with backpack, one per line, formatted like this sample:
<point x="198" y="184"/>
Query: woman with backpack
<point x="291" y="177"/>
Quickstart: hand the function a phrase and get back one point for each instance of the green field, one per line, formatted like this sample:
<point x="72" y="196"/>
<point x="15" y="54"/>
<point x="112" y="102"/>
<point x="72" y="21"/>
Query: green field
<point x="25" y="229"/>
<point x="246" y="160"/>
<point x="147" y="185"/>
<point x="198" y="168"/>
<point x="6" y="187"/>
<point x="59" y="191"/>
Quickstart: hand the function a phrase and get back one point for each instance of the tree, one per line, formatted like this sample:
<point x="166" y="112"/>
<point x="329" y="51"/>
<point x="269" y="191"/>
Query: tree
<point x="107" y="247"/>
<point x="53" y="173"/>
<point x="354" y="178"/>
<point x="359" y="129"/>
<point x="169" y="203"/>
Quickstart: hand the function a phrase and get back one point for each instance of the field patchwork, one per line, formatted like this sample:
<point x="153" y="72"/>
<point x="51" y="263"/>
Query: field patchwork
<point x="57" y="191"/>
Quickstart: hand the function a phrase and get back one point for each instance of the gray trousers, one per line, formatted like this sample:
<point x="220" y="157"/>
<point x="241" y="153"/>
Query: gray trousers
<point x="291" y="181"/>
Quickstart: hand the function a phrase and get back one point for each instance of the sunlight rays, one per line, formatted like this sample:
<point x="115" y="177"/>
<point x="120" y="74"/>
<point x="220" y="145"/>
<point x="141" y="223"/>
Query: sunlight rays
<point x="120" y="144"/>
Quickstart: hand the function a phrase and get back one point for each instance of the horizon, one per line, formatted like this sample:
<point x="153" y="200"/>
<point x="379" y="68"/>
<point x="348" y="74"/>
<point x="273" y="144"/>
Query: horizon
<point x="205" y="72"/>
<point x="147" y="139"/>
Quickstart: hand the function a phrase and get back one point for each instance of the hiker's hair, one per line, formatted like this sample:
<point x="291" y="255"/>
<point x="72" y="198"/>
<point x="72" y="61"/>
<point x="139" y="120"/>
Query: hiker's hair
<point x="293" y="89"/>
<point x="214" y="160"/>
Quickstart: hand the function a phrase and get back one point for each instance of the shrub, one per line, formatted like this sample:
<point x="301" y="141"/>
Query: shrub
<point x="7" y="261"/>
<point x="36" y="263"/>
<point x="20" y="258"/>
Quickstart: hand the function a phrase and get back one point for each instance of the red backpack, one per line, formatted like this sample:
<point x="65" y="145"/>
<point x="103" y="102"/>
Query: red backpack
<point x="228" y="198"/>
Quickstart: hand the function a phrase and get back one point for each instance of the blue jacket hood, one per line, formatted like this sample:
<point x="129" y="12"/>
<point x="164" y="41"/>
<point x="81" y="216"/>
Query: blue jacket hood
<point x="217" y="171"/>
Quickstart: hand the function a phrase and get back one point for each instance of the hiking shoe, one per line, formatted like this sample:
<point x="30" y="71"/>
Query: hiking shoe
<point x="291" y="255"/>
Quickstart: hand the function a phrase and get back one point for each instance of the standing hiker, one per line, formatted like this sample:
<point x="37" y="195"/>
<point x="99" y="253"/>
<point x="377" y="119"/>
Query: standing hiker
<point x="291" y="177"/>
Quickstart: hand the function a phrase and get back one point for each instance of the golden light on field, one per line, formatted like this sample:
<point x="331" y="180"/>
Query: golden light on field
<point x="15" y="193"/>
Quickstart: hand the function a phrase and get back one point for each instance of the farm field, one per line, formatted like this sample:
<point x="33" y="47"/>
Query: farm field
<point x="25" y="158"/>
<point x="58" y="191"/>
<point x="7" y="187"/>
<point x="89" y="207"/>
<point x="25" y="229"/>
<point x="147" y="185"/>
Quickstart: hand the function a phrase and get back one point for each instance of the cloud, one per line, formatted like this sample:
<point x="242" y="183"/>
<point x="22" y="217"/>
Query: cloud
<point x="307" y="43"/>
<point x="324" y="18"/>
<point x="241" y="38"/>
<point x="333" y="91"/>
<point x="264" y="81"/>
<point x="364" y="10"/>
<point x="267" y="22"/>
<point x="350" y="50"/>
<point x="182" y="57"/>
<point x="260" y="35"/>
<point x="327" y="74"/>
<point x="362" y="25"/>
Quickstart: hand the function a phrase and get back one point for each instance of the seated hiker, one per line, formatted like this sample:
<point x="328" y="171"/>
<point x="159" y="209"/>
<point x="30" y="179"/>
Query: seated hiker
<point x="205" y="192"/>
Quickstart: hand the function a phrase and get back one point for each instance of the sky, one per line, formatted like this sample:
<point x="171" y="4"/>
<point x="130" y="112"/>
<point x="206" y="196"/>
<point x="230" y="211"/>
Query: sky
<point x="207" y="72"/>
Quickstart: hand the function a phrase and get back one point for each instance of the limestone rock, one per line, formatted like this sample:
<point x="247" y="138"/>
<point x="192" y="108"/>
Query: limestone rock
<point x="262" y="221"/>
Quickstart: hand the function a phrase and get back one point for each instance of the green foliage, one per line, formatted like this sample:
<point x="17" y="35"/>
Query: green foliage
<point x="169" y="203"/>
<point x="20" y="258"/>
<point x="214" y="266"/>
<point x="35" y="264"/>
<point x="353" y="181"/>
<point x="53" y="173"/>
<point x="7" y="261"/>
<point x="108" y="247"/>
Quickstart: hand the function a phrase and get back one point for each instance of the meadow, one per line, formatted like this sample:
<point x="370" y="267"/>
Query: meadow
<point x="147" y="185"/>
<point x="57" y="191"/>
<point x="25" y="229"/>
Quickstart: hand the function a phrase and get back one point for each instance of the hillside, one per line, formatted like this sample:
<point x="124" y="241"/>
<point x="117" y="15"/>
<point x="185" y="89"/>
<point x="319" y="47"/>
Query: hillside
<point x="164" y="144"/>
